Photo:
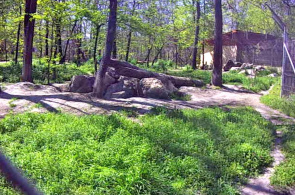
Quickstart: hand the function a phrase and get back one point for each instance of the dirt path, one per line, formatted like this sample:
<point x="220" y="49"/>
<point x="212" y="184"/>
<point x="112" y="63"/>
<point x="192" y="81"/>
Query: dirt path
<point x="49" y="98"/>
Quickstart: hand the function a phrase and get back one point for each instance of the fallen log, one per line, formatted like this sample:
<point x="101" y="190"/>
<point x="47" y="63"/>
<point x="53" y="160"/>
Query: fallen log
<point x="126" y="69"/>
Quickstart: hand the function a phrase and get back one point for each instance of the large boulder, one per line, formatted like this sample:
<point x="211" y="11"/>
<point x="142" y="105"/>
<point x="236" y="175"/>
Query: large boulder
<point x="82" y="84"/>
<point x="125" y="88"/>
<point x="154" y="88"/>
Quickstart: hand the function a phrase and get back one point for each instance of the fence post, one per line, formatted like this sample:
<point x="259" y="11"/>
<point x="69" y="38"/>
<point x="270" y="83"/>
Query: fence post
<point x="285" y="40"/>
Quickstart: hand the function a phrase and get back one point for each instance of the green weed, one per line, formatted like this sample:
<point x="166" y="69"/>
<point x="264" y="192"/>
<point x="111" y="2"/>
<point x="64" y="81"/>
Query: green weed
<point x="208" y="151"/>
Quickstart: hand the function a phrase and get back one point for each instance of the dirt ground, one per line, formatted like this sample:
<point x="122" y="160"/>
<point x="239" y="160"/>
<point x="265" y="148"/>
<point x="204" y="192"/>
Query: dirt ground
<point x="21" y="97"/>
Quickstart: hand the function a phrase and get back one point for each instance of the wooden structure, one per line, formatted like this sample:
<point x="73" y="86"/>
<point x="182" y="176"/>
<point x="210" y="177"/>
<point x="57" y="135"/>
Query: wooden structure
<point x="288" y="70"/>
<point x="248" y="47"/>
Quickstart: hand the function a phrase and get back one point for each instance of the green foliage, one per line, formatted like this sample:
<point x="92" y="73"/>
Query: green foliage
<point x="12" y="72"/>
<point x="208" y="151"/>
<point x="274" y="100"/>
<point x="259" y="83"/>
<point x="284" y="176"/>
<point x="163" y="65"/>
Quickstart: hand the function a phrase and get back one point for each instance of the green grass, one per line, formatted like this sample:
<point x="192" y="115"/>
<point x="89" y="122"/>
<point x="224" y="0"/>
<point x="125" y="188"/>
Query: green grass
<point x="284" y="176"/>
<point x="11" y="73"/>
<point x="273" y="100"/>
<point x="208" y="151"/>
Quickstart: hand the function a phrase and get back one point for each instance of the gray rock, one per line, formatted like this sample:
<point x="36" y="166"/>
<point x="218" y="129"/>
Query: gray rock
<point x="246" y="66"/>
<point x="125" y="88"/>
<point x="259" y="68"/>
<point x="235" y="68"/>
<point x="154" y="88"/>
<point x="82" y="84"/>
<point x="273" y="75"/>
<point x="242" y="72"/>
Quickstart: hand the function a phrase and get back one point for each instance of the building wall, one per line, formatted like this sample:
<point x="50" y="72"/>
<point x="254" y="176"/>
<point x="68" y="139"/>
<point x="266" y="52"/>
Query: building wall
<point x="229" y="53"/>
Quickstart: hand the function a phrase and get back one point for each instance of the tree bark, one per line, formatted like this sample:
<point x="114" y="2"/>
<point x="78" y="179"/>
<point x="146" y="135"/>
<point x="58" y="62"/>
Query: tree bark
<point x="58" y="40"/>
<point x="114" y="55"/>
<point x="46" y="39"/>
<point x="130" y="34"/>
<point x="63" y="59"/>
<point x="95" y="46"/>
<point x="157" y="55"/>
<point x="98" y="89"/>
<point x="217" y="58"/>
<point x="196" y="41"/>
<point x="29" y="24"/>
<point x="18" y="37"/>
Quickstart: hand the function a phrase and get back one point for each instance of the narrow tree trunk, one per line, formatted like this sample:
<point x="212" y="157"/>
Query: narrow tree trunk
<point x="29" y="24"/>
<point x="63" y="59"/>
<point x="98" y="89"/>
<point x="195" y="52"/>
<point x="130" y="34"/>
<point x="114" y="55"/>
<point x="18" y="38"/>
<point x="40" y="38"/>
<point x="128" y="46"/>
<point x="157" y="55"/>
<point x="79" y="52"/>
<point x="5" y="49"/>
<point x="95" y="46"/>
<point x="46" y="39"/>
<point x="58" y="41"/>
<point x="217" y="58"/>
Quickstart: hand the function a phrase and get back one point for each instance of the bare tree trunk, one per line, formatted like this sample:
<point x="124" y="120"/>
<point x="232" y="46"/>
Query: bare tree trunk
<point x="95" y="46"/>
<point x="195" y="51"/>
<point x="217" y="59"/>
<point x="18" y="38"/>
<point x="157" y="55"/>
<point x="130" y="34"/>
<point x="29" y="24"/>
<point x="79" y="43"/>
<point x="58" y="40"/>
<point x="5" y="49"/>
<point x="98" y="89"/>
<point x="128" y="45"/>
<point x="114" y="55"/>
<point x="46" y="39"/>
<point x="63" y="59"/>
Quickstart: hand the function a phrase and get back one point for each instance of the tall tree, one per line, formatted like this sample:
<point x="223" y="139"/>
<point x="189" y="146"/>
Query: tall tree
<point x="197" y="22"/>
<point x="217" y="58"/>
<point x="98" y="89"/>
<point x="29" y="24"/>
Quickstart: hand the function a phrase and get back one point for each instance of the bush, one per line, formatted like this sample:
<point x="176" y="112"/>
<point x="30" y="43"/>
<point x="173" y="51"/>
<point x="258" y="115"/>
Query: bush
<point x="208" y="151"/>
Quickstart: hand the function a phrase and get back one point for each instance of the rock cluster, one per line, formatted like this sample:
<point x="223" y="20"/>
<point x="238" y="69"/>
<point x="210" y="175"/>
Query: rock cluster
<point x="117" y="86"/>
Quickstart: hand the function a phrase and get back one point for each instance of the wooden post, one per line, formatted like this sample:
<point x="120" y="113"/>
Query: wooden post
<point x="285" y="42"/>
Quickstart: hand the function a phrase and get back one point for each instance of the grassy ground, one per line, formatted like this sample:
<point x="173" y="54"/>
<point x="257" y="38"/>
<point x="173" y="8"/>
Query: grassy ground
<point x="273" y="100"/>
<point x="284" y="176"/>
<point x="171" y="152"/>
<point x="260" y="83"/>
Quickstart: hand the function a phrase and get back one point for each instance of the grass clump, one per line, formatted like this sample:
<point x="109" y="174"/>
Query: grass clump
<point x="284" y="176"/>
<point x="208" y="151"/>
<point x="274" y="100"/>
